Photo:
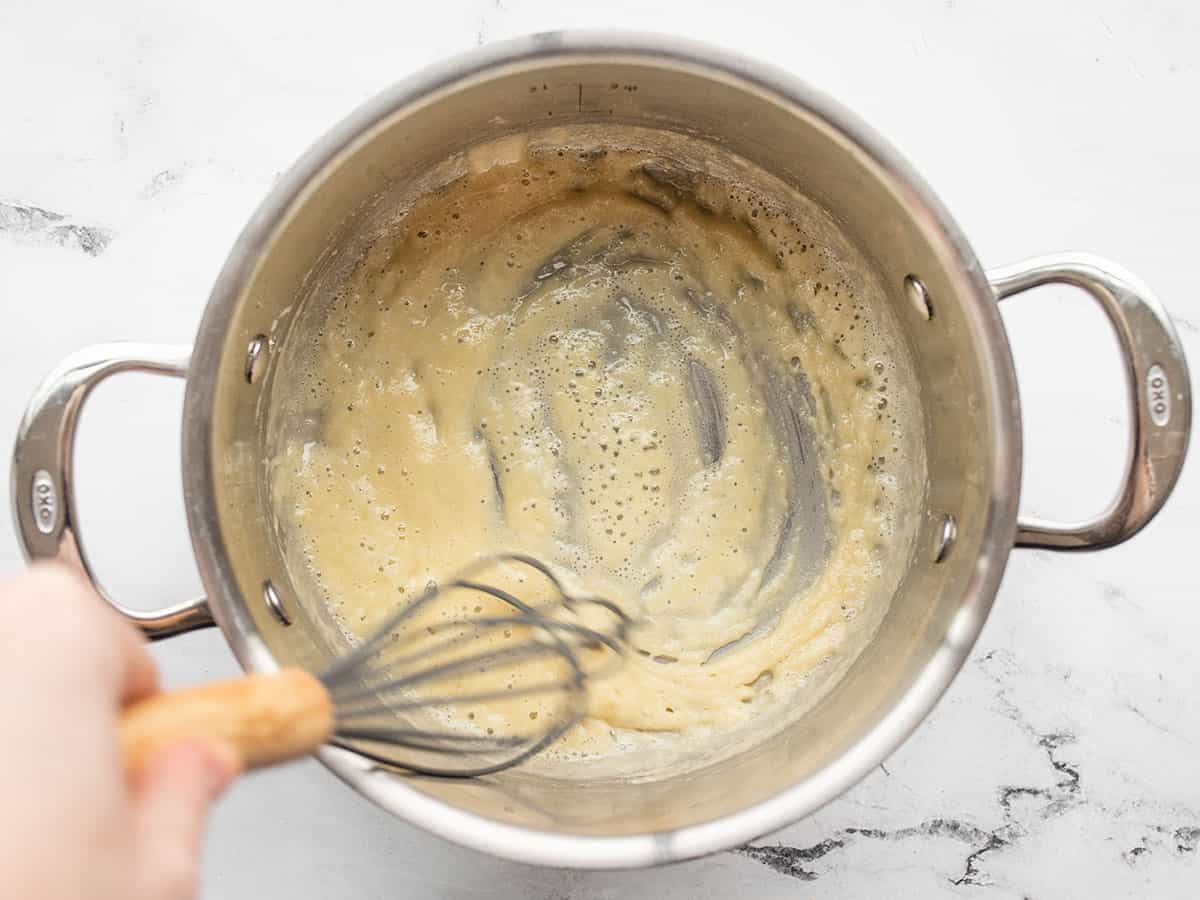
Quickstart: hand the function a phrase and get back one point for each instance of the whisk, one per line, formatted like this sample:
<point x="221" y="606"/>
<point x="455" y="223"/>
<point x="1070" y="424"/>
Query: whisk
<point x="464" y="680"/>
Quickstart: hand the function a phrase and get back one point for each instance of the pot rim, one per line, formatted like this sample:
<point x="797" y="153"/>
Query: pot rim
<point x="586" y="851"/>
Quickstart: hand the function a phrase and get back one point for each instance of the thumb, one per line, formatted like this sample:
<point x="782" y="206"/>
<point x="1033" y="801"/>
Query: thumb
<point x="172" y="794"/>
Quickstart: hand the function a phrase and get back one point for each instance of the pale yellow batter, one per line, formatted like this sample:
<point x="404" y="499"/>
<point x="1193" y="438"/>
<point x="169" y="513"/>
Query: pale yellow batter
<point x="633" y="367"/>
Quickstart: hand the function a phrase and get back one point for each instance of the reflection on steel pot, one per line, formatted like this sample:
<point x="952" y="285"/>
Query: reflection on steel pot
<point x="945" y="305"/>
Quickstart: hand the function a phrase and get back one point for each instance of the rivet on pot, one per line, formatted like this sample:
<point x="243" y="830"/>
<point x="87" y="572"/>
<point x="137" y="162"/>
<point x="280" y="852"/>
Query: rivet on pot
<point x="275" y="603"/>
<point x="253" y="354"/>
<point x="918" y="296"/>
<point x="945" y="539"/>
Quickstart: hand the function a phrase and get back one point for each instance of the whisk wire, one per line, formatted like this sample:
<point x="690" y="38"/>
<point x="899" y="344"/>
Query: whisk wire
<point x="409" y="666"/>
<point x="351" y="711"/>
<point x="588" y="636"/>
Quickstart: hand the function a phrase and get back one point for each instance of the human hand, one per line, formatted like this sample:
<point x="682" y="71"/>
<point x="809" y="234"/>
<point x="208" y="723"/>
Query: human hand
<point x="73" y="824"/>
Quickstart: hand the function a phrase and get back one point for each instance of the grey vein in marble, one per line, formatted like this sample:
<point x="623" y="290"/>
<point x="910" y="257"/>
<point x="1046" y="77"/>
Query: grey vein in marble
<point x="791" y="860"/>
<point x="1183" y="324"/>
<point x="42" y="225"/>
<point x="1018" y="819"/>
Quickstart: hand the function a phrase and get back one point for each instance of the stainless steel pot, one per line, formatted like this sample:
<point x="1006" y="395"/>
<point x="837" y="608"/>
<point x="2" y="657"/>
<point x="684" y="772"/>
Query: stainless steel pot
<point x="944" y="300"/>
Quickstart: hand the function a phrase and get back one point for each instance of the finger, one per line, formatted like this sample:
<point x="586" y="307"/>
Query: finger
<point x="96" y="641"/>
<point x="138" y="673"/>
<point x="172" y="796"/>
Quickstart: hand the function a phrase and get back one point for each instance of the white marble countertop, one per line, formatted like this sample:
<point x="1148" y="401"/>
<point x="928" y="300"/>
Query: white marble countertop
<point x="135" y="139"/>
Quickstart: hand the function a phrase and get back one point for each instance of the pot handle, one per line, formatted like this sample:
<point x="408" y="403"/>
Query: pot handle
<point x="42" y="468"/>
<point x="1160" y="399"/>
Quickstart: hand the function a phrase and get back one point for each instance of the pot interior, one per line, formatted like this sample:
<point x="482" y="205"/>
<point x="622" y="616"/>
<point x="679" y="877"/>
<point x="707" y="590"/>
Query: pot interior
<point x="697" y="120"/>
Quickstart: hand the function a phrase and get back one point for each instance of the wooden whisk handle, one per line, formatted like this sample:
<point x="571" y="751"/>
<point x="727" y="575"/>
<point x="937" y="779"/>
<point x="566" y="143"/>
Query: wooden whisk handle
<point x="266" y="719"/>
